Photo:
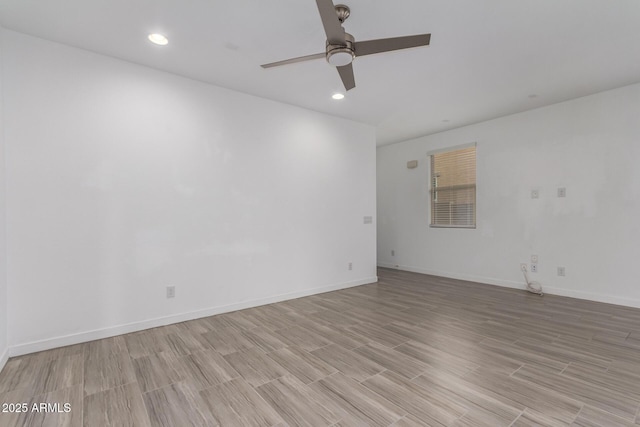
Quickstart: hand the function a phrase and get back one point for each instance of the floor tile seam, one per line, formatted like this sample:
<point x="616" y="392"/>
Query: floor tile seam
<point x="310" y="353"/>
<point x="305" y="385"/>
<point x="406" y="412"/>
<point x="47" y="391"/>
<point x="395" y="347"/>
<point x="265" y="382"/>
<point x="195" y="391"/>
<point x="186" y="376"/>
<point x="635" y="396"/>
<point x="101" y="358"/>
<point x="420" y="374"/>
<point x="369" y="377"/>
<point x="517" y="418"/>
<point x="184" y="380"/>
<point x="106" y="389"/>
<point x="511" y="375"/>
<point x="256" y="387"/>
<point x="612" y="414"/>
<point x="263" y="400"/>
<point x="578" y="413"/>
<point x="607" y="370"/>
<point x="535" y="386"/>
<point x="316" y="349"/>
<point x="577" y="399"/>
<point x="325" y="377"/>
<point x="463" y="401"/>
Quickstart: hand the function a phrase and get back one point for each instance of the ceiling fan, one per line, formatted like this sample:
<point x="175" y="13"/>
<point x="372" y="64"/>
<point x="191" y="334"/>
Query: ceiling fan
<point x="342" y="49"/>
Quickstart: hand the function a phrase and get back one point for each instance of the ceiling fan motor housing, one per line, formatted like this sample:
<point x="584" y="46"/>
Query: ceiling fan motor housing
<point x="340" y="55"/>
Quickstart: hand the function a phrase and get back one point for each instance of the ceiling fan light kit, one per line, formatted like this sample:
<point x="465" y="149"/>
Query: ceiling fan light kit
<point x="341" y="48"/>
<point x="339" y="55"/>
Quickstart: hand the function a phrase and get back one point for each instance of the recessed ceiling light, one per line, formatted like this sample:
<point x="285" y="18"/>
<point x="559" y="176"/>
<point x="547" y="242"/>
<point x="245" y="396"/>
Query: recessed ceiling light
<point x="337" y="96"/>
<point x="158" y="39"/>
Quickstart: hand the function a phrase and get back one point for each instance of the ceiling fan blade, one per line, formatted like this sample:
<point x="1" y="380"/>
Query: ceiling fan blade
<point x="346" y="74"/>
<point x="294" y="60"/>
<point x="332" y="27"/>
<point x="369" y="47"/>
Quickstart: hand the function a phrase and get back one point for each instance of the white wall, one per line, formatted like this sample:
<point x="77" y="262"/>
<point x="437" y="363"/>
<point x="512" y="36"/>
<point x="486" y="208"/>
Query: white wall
<point x="589" y="145"/>
<point x="3" y="252"/>
<point x="123" y="180"/>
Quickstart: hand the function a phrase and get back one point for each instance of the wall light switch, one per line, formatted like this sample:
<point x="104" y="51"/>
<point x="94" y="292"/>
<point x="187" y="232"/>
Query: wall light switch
<point x="368" y="219"/>
<point x="562" y="192"/>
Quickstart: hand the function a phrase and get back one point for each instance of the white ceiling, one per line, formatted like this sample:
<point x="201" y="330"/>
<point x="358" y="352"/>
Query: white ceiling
<point x="486" y="56"/>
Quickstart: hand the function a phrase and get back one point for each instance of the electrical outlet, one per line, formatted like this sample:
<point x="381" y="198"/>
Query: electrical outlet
<point x="367" y="220"/>
<point x="393" y="252"/>
<point x="535" y="194"/>
<point x="534" y="268"/>
<point x="523" y="267"/>
<point x="562" y="192"/>
<point x="534" y="259"/>
<point x="561" y="271"/>
<point x="171" y="291"/>
<point x="350" y="266"/>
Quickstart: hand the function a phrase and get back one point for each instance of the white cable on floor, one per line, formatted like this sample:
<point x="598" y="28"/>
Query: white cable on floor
<point x="533" y="287"/>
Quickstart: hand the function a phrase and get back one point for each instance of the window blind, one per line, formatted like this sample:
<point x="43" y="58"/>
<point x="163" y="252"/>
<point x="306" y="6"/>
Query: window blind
<point x="453" y="188"/>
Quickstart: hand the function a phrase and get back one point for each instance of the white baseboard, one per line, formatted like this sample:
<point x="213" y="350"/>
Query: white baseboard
<point x="3" y="358"/>
<point x="62" y="341"/>
<point x="589" y="296"/>
<point x="468" y="277"/>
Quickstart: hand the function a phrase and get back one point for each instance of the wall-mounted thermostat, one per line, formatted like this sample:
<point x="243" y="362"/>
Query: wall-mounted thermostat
<point x="412" y="164"/>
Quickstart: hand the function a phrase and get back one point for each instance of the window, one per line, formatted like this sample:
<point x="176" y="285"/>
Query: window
<point x="453" y="187"/>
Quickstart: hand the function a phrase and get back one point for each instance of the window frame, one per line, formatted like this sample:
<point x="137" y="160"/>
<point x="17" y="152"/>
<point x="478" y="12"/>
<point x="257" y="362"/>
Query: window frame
<point x="432" y="179"/>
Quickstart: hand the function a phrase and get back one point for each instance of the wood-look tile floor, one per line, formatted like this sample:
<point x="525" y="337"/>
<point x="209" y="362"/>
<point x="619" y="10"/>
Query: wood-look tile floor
<point x="410" y="350"/>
